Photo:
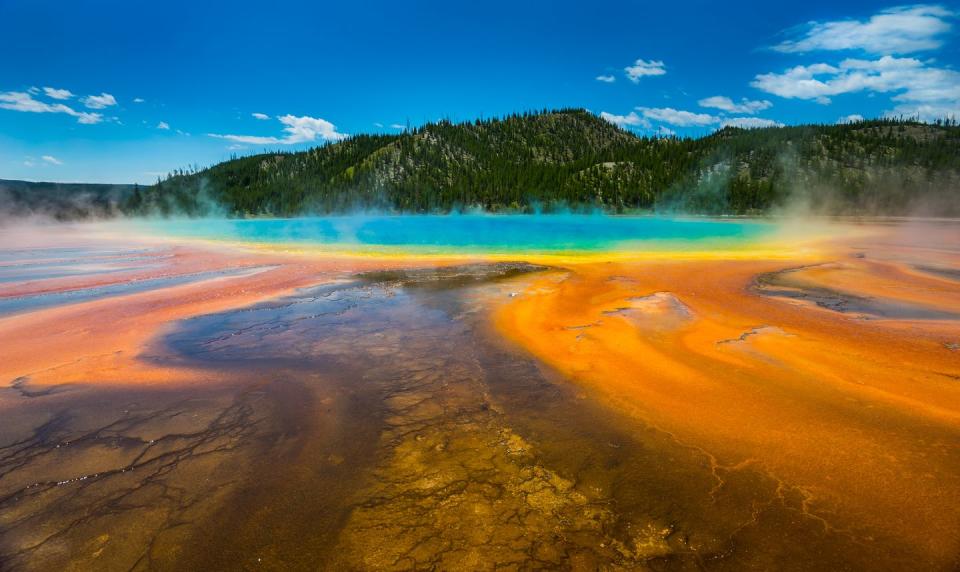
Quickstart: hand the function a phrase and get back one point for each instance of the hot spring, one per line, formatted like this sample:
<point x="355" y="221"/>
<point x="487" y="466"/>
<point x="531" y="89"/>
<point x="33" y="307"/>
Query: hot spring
<point x="406" y="392"/>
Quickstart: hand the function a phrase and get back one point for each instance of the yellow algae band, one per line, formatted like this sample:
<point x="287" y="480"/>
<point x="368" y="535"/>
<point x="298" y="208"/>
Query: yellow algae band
<point x="544" y="239"/>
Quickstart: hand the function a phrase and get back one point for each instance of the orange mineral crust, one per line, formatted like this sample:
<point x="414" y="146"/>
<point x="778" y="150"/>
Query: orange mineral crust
<point x="102" y="341"/>
<point x="801" y="374"/>
<point x="790" y="403"/>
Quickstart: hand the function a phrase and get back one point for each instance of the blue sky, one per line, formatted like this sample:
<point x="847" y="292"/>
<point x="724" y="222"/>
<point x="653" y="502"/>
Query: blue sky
<point x="111" y="91"/>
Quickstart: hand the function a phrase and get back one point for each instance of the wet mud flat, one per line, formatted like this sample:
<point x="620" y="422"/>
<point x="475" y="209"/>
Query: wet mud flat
<point x="112" y="476"/>
<point x="262" y="471"/>
<point x="790" y="284"/>
<point x="379" y="422"/>
<point x="19" y="304"/>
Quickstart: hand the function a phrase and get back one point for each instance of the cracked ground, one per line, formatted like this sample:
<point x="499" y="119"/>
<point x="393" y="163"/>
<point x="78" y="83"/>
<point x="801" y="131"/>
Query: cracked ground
<point x="379" y="422"/>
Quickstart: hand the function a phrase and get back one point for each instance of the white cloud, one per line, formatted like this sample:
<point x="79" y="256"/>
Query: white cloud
<point x="163" y="125"/>
<point x="677" y="117"/>
<point x="54" y="93"/>
<point x="899" y="30"/>
<point x="723" y="103"/>
<point x="88" y="118"/>
<point x="664" y="131"/>
<point x="399" y="126"/>
<point x="24" y="101"/>
<point x="854" y="118"/>
<point x="641" y="68"/>
<point x="138" y="100"/>
<point x="798" y="82"/>
<point x="913" y="81"/>
<point x="101" y="101"/>
<point x="927" y="112"/>
<point x="631" y="119"/>
<point x="29" y="162"/>
<point x="681" y="118"/>
<point x="52" y="160"/>
<point x="749" y="122"/>
<point x="251" y="139"/>
<point x="298" y="129"/>
<point x="378" y="125"/>
<point x="606" y="78"/>
<point x="260" y="116"/>
<point x="304" y="129"/>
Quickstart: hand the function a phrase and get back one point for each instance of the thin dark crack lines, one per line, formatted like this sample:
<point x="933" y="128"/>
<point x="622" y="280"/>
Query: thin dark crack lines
<point x="226" y="432"/>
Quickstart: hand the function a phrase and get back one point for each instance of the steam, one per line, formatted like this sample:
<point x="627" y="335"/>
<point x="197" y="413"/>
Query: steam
<point x="799" y="189"/>
<point x="161" y="201"/>
<point x="877" y="192"/>
<point x="56" y="202"/>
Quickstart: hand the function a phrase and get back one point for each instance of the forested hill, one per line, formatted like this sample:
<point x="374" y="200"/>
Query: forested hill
<point x="575" y="159"/>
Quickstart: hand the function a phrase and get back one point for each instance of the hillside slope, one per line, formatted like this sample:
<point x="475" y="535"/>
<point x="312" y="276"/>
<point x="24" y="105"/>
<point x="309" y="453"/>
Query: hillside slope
<point x="572" y="158"/>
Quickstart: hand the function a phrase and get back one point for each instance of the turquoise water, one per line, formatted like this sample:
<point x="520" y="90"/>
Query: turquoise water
<point x="474" y="233"/>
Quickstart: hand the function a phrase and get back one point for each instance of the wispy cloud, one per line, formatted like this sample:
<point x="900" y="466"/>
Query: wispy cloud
<point x="54" y="93"/>
<point x="139" y="100"/>
<point x="51" y="160"/>
<point x="850" y="119"/>
<point x="606" y="78"/>
<point x="399" y="126"/>
<point x="900" y="30"/>
<point x="724" y="103"/>
<point x="102" y="101"/>
<point x="163" y="125"/>
<point x="677" y="117"/>
<point x="629" y="120"/>
<point x="926" y="111"/>
<point x="260" y="116"/>
<point x="682" y="118"/>
<point x="303" y="129"/>
<point x="917" y="88"/>
<point x="749" y="122"/>
<point x="642" y="68"/>
<point x="24" y="101"/>
<point x="914" y="82"/>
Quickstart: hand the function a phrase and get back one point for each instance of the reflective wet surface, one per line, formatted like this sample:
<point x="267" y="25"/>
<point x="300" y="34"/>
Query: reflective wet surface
<point x="376" y="417"/>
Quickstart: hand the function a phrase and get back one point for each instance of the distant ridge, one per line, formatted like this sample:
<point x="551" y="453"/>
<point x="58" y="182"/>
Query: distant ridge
<point x="574" y="159"/>
<point x="64" y="201"/>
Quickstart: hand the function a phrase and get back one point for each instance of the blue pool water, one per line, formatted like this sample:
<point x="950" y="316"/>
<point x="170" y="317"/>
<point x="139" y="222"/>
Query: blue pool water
<point x="475" y="233"/>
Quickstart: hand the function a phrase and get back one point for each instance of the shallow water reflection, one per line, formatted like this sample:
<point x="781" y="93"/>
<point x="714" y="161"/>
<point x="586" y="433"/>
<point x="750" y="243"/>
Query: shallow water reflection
<point x="377" y="422"/>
